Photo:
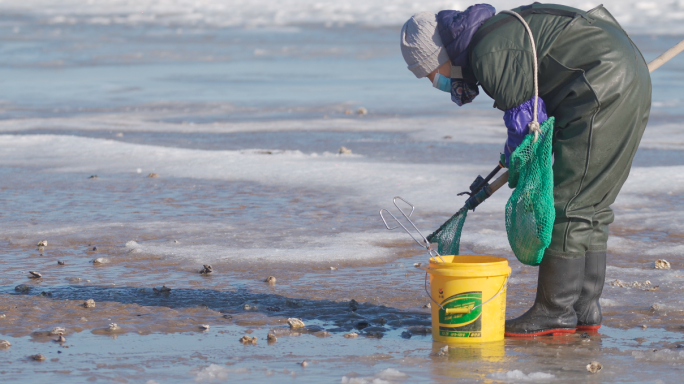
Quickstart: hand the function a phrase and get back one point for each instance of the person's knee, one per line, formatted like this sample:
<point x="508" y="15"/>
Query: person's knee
<point x="600" y="222"/>
<point x="571" y="237"/>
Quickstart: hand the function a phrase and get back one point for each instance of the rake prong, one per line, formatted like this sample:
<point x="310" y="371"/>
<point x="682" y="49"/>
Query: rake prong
<point x="424" y="243"/>
<point x="385" y="221"/>
<point x="401" y="210"/>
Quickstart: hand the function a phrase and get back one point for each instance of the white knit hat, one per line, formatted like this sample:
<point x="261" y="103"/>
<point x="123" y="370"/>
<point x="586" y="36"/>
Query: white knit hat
<point x="421" y="44"/>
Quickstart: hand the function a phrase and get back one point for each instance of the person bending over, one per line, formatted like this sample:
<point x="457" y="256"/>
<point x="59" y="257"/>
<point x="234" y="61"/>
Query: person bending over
<point x="595" y="82"/>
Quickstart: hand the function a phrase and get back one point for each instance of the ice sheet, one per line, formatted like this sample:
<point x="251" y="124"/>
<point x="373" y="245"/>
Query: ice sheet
<point x="387" y="376"/>
<point x="518" y="376"/>
<point x="371" y="182"/>
<point x="488" y="125"/>
<point x="463" y="125"/>
<point x="665" y="136"/>
<point x="330" y="249"/>
<point x="351" y="181"/>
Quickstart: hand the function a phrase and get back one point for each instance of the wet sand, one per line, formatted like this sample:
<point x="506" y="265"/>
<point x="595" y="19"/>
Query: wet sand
<point x="160" y="338"/>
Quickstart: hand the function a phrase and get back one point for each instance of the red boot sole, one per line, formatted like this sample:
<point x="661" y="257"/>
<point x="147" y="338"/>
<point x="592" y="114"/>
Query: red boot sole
<point x="588" y="327"/>
<point x="553" y="332"/>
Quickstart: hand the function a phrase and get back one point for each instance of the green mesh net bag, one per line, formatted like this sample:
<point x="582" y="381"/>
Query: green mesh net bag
<point x="448" y="236"/>
<point x="530" y="211"/>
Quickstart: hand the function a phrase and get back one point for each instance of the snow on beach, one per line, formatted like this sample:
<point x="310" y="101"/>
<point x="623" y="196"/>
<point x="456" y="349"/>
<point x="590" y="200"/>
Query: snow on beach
<point x="356" y="180"/>
<point x="638" y="16"/>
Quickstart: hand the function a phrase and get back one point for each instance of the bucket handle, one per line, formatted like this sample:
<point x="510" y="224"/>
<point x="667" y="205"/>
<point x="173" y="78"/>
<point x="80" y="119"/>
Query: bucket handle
<point x="455" y="311"/>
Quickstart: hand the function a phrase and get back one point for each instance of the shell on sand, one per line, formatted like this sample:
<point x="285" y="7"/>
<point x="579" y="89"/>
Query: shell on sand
<point x="56" y="331"/>
<point x="60" y="262"/>
<point x="636" y="284"/>
<point x="37" y="357"/>
<point x="304" y="363"/>
<point x="271" y="280"/>
<point x="5" y="344"/>
<point x="113" y="327"/>
<point x="420" y="330"/>
<point x="90" y="303"/>
<point x="22" y="288"/>
<point x="60" y="339"/>
<point x="321" y="334"/>
<point x="101" y="260"/>
<point x="248" y="340"/>
<point x="153" y="175"/>
<point x="344" y="151"/>
<point x="295" y="323"/>
<point x="35" y="275"/>
<point x="271" y="338"/>
<point x="42" y="243"/>
<point x="444" y="351"/>
<point x="662" y="264"/>
<point x="594" y="367"/>
<point x="163" y="289"/>
<point x="205" y="327"/>
<point x="351" y="335"/>
<point x="207" y="269"/>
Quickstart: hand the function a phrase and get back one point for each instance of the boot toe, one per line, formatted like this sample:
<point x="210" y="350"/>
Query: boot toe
<point x="531" y="324"/>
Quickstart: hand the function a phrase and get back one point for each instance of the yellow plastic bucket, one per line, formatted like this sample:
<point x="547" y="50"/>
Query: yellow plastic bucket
<point x="471" y="293"/>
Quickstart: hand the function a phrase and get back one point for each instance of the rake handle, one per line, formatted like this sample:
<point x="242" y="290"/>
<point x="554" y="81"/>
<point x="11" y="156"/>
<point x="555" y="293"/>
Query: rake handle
<point x="665" y="57"/>
<point x="499" y="182"/>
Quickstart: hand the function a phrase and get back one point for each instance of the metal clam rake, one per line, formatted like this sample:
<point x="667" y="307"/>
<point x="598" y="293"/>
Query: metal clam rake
<point x="422" y="241"/>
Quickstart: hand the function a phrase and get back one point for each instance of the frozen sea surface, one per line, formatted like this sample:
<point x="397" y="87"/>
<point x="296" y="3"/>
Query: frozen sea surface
<point x="240" y="108"/>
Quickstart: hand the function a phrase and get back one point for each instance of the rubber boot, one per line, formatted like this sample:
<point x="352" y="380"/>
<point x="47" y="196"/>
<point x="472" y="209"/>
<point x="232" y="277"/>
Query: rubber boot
<point x="558" y="288"/>
<point x="587" y="307"/>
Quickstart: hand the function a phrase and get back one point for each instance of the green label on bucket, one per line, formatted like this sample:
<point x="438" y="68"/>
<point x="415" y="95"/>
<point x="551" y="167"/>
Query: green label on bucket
<point x="462" y="324"/>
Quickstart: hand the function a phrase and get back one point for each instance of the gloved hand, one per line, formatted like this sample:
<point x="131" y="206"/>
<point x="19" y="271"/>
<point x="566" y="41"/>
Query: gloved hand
<point x="516" y="120"/>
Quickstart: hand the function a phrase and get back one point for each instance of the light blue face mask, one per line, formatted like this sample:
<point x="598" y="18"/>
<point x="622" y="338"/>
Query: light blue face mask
<point x="442" y="83"/>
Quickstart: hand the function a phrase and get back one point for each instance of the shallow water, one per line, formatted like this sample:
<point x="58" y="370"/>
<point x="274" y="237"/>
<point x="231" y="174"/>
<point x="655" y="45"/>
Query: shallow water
<point x="242" y="126"/>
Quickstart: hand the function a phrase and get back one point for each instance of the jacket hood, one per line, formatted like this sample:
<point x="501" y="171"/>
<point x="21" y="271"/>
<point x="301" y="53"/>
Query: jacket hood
<point x="457" y="29"/>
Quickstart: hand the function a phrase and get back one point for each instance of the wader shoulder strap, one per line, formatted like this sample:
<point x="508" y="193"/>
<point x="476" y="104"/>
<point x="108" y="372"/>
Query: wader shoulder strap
<point x="524" y="11"/>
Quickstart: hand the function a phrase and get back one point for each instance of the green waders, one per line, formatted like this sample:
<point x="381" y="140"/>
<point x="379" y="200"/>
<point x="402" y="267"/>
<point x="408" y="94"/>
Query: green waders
<point x="600" y="118"/>
<point x="596" y="84"/>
